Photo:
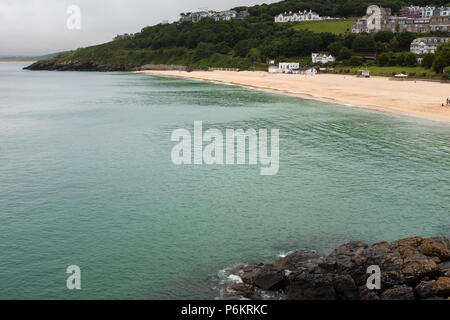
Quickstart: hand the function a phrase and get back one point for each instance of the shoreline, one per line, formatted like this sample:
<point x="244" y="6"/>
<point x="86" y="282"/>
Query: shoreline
<point x="342" y="93"/>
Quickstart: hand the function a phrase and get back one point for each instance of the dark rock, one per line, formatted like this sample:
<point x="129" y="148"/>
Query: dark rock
<point x="426" y="289"/>
<point x="312" y="287"/>
<point x="245" y="291"/>
<point x="443" y="286"/>
<point x="437" y="246"/>
<point x="401" y="292"/>
<point x="345" y="288"/>
<point x="366" y="294"/>
<point x="404" y="264"/>
<point x="301" y="261"/>
<point x="444" y="268"/>
<point x="53" y="65"/>
<point x="266" y="277"/>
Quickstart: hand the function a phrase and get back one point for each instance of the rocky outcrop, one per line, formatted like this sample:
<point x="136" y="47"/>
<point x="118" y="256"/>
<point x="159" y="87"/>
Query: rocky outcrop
<point x="53" y="65"/>
<point x="73" y="65"/>
<point x="412" y="268"/>
<point x="162" y="67"/>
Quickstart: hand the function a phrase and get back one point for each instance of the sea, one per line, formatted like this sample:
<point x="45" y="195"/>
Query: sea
<point x="87" y="179"/>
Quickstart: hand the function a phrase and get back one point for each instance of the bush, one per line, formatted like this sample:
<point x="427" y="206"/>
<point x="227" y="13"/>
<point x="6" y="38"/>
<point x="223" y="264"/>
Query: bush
<point x="400" y="59"/>
<point x="355" y="61"/>
<point x="411" y="59"/>
<point x="383" y="59"/>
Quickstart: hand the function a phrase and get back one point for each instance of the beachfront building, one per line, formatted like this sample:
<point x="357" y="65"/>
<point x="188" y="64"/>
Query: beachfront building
<point x="273" y="68"/>
<point x="227" y="15"/>
<point x="322" y="58"/>
<point x="288" y="67"/>
<point x="422" y="46"/>
<point x="300" y="16"/>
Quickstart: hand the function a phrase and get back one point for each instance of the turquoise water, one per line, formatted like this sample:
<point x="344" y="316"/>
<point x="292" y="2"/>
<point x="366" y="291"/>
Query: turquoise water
<point x="86" y="178"/>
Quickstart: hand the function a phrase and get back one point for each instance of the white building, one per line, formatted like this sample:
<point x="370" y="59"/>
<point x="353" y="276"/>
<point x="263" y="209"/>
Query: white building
<point x="372" y="22"/>
<point x="322" y="58"/>
<point x="218" y="16"/>
<point x="288" y="67"/>
<point x="426" y="12"/>
<point x="273" y="68"/>
<point x="425" y="45"/>
<point x="299" y="16"/>
<point x="225" y="15"/>
<point x="442" y="12"/>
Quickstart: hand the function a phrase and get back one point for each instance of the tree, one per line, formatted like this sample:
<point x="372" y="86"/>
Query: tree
<point x="405" y="39"/>
<point x="442" y="59"/>
<point x="363" y="43"/>
<point x="383" y="36"/>
<point x="383" y="59"/>
<point x="355" y="61"/>
<point x="447" y="71"/>
<point x="242" y="48"/>
<point x="327" y="38"/>
<point x="335" y="48"/>
<point x="400" y="59"/>
<point x="344" y="53"/>
<point x="411" y="59"/>
<point x="428" y="59"/>
<point x="254" y="54"/>
<point x="439" y="64"/>
<point x="222" y="47"/>
<point x="393" y="43"/>
<point x="204" y="50"/>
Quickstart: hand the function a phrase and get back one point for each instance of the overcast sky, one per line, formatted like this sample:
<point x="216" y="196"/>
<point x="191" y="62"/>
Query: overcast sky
<point x="35" y="27"/>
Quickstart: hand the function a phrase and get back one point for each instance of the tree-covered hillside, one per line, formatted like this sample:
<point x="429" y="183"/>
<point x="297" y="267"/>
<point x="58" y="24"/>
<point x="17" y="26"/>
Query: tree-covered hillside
<point x="338" y="8"/>
<point x="245" y="44"/>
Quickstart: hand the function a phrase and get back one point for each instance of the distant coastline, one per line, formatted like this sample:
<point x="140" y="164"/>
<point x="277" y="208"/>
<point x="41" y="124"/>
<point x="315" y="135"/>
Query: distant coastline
<point x="16" y="60"/>
<point x="421" y="99"/>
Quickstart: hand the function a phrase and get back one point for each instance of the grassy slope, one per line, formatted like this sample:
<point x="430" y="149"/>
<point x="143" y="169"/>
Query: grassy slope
<point x="336" y="27"/>
<point x="388" y="71"/>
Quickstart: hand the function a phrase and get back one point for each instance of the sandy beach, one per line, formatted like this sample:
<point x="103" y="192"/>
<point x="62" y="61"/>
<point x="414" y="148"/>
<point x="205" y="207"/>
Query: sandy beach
<point x="412" y="98"/>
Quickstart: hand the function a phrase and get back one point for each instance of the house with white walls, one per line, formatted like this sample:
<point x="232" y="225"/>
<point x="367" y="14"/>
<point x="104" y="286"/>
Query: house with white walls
<point x="322" y="58"/>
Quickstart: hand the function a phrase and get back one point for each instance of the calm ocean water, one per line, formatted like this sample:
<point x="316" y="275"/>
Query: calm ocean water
<point x="86" y="178"/>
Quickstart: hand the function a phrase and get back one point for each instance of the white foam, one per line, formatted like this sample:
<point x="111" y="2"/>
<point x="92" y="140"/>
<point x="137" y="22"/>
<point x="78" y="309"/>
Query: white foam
<point x="235" y="279"/>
